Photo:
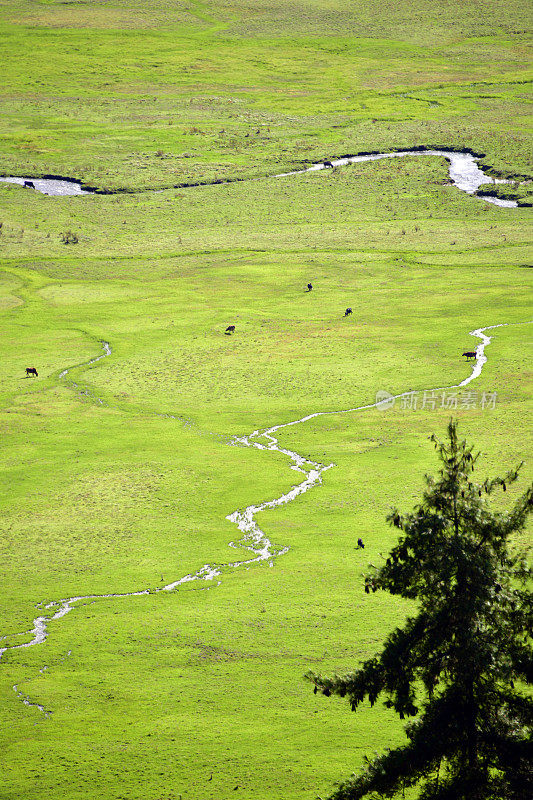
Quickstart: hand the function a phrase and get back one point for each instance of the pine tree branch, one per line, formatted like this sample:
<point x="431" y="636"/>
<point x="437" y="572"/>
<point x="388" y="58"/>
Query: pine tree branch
<point x="466" y="646"/>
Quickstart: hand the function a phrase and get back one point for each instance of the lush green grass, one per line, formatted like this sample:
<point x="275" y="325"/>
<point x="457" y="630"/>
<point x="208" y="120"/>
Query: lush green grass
<point x="149" y="695"/>
<point x="128" y="97"/>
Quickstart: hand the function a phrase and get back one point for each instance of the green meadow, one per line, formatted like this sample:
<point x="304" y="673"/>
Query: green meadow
<point x="120" y="474"/>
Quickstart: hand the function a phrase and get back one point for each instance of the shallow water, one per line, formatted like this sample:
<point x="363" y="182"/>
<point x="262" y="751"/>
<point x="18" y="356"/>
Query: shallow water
<point x="51" y="186"/>
<point x="253" y="538"/>
<point x="464" y="172"/>
<point x="499" y="202"/>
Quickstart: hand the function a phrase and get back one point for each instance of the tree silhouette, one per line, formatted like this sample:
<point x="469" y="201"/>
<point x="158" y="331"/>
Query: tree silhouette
<point x="459" y="667"/>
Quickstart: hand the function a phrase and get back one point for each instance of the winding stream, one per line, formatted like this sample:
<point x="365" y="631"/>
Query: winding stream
<point x="253" y="539"/>
<point x="463" y="169"/>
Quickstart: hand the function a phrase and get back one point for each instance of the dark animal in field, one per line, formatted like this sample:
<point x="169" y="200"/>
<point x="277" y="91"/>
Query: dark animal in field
<point x="328" y="164"/>
<point x="347" y="312"/>
<point x="31" y="371"/>
<point x="360" y="544"/>
<point x="470" y="354"/>
<point x="229" y="330"/>
<point x="309" y="287"/>
<point x="29" y="185"/>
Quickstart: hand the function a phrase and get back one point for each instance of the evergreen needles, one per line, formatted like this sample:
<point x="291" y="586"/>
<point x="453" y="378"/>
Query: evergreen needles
<point x="459" y="667"/>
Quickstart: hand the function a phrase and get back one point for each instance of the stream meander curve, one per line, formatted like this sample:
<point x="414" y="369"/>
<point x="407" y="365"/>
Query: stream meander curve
<point x="463" y="170"/>
<point x="253" y="538"/>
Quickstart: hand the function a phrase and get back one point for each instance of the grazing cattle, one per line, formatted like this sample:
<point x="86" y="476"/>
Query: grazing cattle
<point x="31" y="371"/>
<point x="309" y="287"/>
<point x="360" y="544"/>
<point x="29" y="185"/>
<point x="229" y="330"/>
<point x="347" y="312"/>
<point x="470" y="354"/>
<point x="328" y="164"/>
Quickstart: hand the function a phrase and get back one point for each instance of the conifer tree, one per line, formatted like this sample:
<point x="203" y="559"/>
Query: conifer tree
<point x="460" y="667"/>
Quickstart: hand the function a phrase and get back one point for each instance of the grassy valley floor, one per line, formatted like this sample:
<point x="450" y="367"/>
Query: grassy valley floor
<point x="121" y="473"/>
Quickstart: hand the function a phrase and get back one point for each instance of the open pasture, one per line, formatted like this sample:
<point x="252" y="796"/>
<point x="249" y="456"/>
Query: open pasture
<point x="121" y="473"/>
<point x="124" y="97"/>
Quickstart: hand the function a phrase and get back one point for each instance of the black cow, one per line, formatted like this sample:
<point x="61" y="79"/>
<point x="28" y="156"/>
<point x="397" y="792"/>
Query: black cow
<point x="347" y="312"/>
<point x="328" y="164"/>
<point x="29" y="185"/>
<point x="309" y="287"/>
<point x="229" y="330"/>
<point x="470" y="354"/>
<point x="31" y="371"/>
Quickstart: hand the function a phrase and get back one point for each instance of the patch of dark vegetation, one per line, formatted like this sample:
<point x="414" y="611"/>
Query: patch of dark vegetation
<point x="417" y="148"/>
<point x="68" y="237"/>
<point x="489" y="169"/>
<point x="523" y="195"/>
<point x="214" y="182"/>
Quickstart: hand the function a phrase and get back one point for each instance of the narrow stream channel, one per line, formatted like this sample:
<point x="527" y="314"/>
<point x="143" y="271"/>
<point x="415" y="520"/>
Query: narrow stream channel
<point x="253" y="539"/>
<point x="463" y="169"/>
